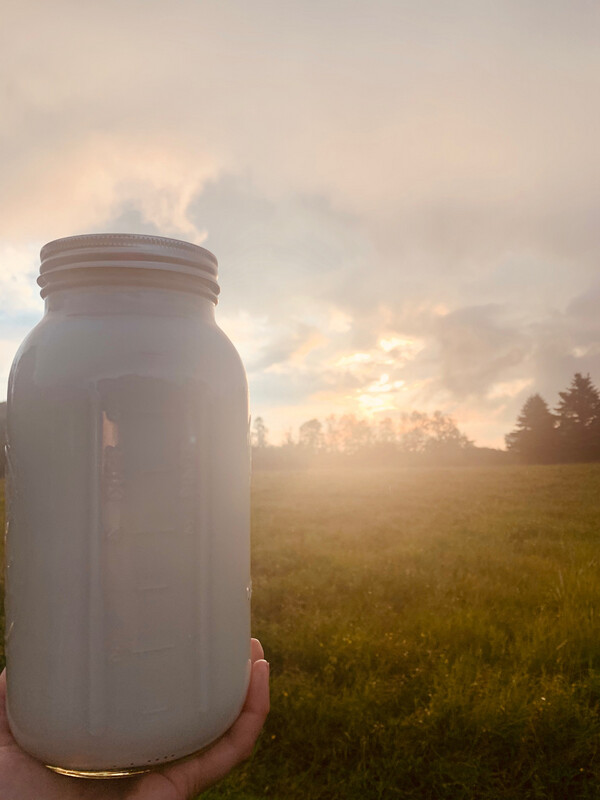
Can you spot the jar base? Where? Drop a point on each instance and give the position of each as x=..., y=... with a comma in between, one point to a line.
x=126, y=772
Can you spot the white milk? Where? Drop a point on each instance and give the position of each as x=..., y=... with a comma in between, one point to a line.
x=127, y=550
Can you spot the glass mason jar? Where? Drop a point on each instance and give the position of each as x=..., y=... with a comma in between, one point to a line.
x=127, y=547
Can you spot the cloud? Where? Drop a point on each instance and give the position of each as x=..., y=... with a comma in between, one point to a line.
x=568, y=342
x=95, y=178
x=411, y=119
x=584, y=307
x=477, y=348
x=292, y=246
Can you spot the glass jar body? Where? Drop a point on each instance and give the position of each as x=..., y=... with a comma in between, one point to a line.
x=127, y=548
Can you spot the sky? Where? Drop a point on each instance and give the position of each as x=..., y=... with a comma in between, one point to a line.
x=403, y=197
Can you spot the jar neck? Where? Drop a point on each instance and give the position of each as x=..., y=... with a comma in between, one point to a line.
x=109, y=301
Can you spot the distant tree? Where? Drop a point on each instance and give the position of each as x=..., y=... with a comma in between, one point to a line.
x=355, y=433
x=385, y=433
x=433, y=437
x=578, y=415
x=310, y=435
x=259, y=433
x=288, y=440
x=444, y=436
x=332, y=436
x=414, y=432
x=534, y=440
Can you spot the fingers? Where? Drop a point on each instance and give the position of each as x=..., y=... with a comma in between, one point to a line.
x=5, y=734
x=256, y=650
x=235, y=746
x=257, y=701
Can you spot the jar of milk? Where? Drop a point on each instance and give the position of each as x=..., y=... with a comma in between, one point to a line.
x=127, y=549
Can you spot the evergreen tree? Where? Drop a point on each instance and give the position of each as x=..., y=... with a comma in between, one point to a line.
x=578, y=414
x=534, y=441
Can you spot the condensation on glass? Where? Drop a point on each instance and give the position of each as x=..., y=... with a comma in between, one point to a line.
x=127, y=547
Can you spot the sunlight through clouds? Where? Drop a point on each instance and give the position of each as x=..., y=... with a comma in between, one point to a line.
x=381, y=395
x=379, y=386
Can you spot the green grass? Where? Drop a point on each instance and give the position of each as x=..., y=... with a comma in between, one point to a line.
x=431, y=633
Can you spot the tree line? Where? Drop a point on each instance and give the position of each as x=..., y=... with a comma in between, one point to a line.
x=569, y=433
x=413, y=438
x=415, y=433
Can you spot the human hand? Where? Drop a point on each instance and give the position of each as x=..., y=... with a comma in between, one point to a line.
x=23, y=777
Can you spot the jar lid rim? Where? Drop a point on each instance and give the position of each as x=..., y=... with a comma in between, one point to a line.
x=136, y=241
x=130, y=258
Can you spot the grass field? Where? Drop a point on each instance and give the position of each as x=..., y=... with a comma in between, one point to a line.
x=431, y=633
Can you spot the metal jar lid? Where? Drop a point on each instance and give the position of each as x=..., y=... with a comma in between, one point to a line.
x=127, y=259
